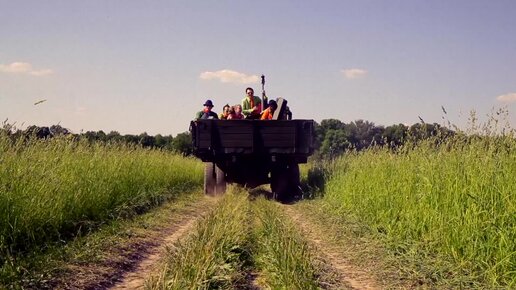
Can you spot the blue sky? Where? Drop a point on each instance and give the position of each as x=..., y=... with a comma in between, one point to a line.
x=135, y=66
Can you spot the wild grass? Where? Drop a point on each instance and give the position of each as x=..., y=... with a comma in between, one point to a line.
x=54, y=189
x=239, y=238
x=449, y=207
x=99, y=257
x=213, y=255
x=282, y=256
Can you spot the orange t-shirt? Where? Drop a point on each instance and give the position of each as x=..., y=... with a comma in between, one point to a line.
x=266, y=115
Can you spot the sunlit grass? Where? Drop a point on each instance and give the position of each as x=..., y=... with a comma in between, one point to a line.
x=54, y=189
x=455, y=203
x=238, y=238
x=213, y=255
x=282, y=256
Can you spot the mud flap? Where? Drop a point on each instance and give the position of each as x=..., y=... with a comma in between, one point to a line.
x=220, y=181
x=209, y=178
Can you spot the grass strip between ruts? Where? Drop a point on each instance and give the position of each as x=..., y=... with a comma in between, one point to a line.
x=282, y=256
x=241, y=244
x=214, y=255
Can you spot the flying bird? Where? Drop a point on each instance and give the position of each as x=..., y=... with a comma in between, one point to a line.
x=442, y=107
x=39, y=102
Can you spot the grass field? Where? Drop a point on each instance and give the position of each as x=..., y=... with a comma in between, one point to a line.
x=445, y=210
x=450, y=209
x=52, y=190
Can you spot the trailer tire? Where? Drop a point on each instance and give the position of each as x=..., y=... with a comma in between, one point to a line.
x=285, y=182
x=220, y=181
x=280, y=183
x=209, y=178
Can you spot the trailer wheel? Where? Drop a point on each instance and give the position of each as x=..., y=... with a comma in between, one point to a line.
x=279, y=183
x=220, y=185
x=285, y=182
x=209, y=178
x=278, y=186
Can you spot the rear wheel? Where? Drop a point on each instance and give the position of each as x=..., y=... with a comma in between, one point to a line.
x=285, y=182
x=209, y=178
x=279, y=183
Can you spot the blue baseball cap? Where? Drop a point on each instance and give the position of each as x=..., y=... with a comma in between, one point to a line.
x=208, y=103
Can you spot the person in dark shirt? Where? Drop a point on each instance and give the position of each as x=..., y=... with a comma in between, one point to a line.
x=206, y=113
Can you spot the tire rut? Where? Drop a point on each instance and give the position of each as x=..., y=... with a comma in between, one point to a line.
x=127, y=258
x=350, y=276
x=135, y=279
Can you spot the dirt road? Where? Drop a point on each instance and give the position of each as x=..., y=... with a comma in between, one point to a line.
x=124, y=263
x=130, y=264
x=348, y=275
x=136, y=278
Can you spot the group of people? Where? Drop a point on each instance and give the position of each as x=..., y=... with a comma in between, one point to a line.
x=250, y=108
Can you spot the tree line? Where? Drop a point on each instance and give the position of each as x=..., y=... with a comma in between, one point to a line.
x=332, y=137
x=181, y=143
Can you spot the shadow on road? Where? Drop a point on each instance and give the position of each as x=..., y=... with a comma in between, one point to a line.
x=260, y=191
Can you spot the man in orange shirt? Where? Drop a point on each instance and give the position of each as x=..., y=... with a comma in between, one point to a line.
x=269, y=112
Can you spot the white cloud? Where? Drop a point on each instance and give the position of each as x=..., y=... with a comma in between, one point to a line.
x=43, y=72
x=354, y=73
x=24, y=68
x=229, y=76
x=507, y=98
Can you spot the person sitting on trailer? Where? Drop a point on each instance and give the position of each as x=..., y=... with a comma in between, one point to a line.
x=225, y=112
x=235, y=113
x=206, y=113
x=269, y=112
x=251, y=105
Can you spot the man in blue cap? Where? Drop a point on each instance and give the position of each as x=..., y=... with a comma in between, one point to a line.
x=206, y=113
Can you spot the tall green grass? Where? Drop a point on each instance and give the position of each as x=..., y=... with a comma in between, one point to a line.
x=236, y=239
x=213, y=256
x=453, y=202
x=281, y=254
x=54, y=189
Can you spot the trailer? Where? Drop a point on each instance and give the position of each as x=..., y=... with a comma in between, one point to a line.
x=252, y=153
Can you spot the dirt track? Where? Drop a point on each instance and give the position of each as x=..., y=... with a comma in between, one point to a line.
x=348, y=275
x=136, y=279
x=127, y=265
x=142, y=256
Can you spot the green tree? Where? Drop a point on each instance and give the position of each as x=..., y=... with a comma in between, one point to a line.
x=363, y=134
x=114, y=136
x=182, y=143
x=146, y=140
x=323, y=128
x=395, y=135
x=334, y=143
